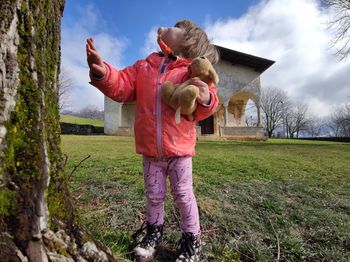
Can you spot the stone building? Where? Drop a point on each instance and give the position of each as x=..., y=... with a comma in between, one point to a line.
x=239, y=75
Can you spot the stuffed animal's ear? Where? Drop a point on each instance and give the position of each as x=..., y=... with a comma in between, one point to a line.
x=214, y=77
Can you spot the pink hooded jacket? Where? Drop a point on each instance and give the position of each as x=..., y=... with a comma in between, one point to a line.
x=156, y=133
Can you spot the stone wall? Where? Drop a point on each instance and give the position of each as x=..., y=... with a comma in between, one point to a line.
x=68, y=128
x=243, y=132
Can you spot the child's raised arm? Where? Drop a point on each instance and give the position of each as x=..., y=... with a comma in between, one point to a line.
x=97, y=68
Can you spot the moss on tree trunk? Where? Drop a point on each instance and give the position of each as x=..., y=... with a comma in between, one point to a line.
x=37, y=218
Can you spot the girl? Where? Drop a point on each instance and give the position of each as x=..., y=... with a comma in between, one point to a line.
x=167, y=148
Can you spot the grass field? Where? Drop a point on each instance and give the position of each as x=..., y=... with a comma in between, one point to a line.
x=81, y=120
x=284, y=200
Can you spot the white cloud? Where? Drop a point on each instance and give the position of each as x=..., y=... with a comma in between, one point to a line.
x=150, y=42
x=320, y=108
x=294, y=33
x=73, y=42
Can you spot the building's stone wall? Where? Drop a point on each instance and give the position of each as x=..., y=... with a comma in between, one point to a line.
x=119, y=117
x=112, y=115
x=235, y=79
x=239, y=132
x=128, y=115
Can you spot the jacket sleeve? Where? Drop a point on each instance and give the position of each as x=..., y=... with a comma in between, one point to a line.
x=204, y=111
x=117, y=85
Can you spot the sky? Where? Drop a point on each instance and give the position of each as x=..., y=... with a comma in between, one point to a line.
x=294, y=33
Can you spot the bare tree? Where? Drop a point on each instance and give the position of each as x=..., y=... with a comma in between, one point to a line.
x=341, y=26
x=65, y=85
x=91, y=112
x=251, y=121
x=345, y=119
x=340, y=121
x=251, y=115
x=316, y=127
x=274, y=104
x=296, y=120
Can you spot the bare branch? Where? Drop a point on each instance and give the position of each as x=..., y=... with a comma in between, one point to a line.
x=340, y=121
x=340, y=25
x=65, y=85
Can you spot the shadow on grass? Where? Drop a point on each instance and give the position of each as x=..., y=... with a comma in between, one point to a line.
x=165, y=254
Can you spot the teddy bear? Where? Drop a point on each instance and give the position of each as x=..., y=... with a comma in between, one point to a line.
x=182, y=97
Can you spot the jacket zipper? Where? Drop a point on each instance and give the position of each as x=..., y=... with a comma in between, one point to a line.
x=159, y=110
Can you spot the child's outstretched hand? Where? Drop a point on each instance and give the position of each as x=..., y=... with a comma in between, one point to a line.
x=95, y=62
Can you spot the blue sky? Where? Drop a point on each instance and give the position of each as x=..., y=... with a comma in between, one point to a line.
x=294, y=33
x=132, y=20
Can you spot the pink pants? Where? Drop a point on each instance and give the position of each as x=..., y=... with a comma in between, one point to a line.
x=179, y=170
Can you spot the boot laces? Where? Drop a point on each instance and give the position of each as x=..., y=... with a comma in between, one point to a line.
x=153, y=234
x=140, y=230
x=187, y=244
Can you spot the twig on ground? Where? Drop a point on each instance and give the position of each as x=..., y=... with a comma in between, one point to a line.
x=211, y=230
x=76, y=166
x=68, y=177
x=65, y=161
x=140, y=216
x=277, y=239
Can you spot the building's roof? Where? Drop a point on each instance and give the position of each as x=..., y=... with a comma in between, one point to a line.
x=258, y=63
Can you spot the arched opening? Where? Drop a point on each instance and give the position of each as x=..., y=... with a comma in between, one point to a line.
x=251, y=114
x=236, y=109
x=242, y=111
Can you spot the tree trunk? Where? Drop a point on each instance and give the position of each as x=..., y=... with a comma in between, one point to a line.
x=269, y=133
x=37, y=218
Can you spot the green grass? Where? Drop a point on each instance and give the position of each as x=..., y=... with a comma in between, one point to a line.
x=81, y=120
x=258, y=201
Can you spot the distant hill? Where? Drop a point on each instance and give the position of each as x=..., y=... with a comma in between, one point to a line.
x=81, y=120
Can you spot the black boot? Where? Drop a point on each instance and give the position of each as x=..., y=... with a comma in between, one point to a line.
x=146, y=248
x=190, y=247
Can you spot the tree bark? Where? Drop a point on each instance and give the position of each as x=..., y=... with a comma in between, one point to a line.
x=37, y=218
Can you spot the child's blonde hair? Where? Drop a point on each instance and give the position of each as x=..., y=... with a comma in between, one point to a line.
x=196, y=42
